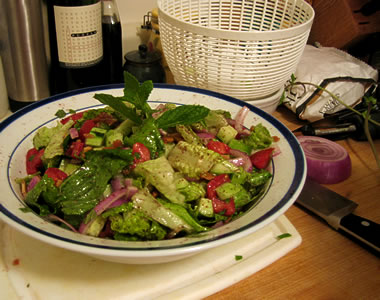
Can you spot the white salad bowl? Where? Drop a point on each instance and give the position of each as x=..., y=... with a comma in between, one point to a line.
x=16, y=133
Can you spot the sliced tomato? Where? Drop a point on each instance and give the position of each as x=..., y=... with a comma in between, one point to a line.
x=214, y=183
x=56, y=174
x=33, y=160
x=217, y=204
x=74, y=117
x=75, y=149
x=115, y=144
x=261, y=159
x=218, y=147
x=143, y=153
x=85, y=129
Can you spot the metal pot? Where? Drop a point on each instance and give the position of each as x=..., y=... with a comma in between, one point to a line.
x=145, y=65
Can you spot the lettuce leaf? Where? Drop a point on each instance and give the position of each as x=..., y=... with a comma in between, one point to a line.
x=149, y=135
x=159, y=173
x=145, y=202
x=92, y=178
x=44, y=135
x=260, y=137
x=181, y=211
x=136, y=223
x=55, y=146
x=46, y=189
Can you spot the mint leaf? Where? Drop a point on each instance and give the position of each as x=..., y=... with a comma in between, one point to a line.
x=137, y=94
x=117, y=104
x=131, y=86
x=185, y=115
x=143, y=95
x=60, y=113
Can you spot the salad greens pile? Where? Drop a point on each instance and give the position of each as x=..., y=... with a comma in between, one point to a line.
x=128, y=171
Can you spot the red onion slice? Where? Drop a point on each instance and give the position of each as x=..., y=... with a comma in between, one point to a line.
x=84, y=226
x=327, y=161
x=240, y=117
x=52, y=217
x=246, y=161
x=33, y=182
x=238, y=123
x=128, y=182
x=104, y=204
x=118, y=202
x=73, y=133
x=205, y=135
x=117, y=183
x=131, y=190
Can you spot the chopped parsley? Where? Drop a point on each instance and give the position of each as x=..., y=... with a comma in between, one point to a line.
x=284, y=235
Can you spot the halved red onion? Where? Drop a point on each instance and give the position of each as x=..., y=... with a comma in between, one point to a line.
x=327, y=161
x=246, y=162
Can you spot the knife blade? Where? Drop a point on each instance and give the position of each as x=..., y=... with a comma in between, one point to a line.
x=337, y=211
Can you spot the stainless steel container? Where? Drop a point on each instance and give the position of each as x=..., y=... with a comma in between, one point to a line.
x=23, y=49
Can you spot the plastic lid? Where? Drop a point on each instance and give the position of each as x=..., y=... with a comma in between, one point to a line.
x=143, y=56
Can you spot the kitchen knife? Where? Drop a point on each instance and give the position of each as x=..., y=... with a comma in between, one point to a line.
x=337, y=211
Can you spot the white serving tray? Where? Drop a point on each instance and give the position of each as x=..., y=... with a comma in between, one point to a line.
x=30, y=269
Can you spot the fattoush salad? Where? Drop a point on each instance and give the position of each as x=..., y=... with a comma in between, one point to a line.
x=127, y=171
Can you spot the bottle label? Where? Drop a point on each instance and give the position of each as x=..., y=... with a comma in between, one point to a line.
x=79, y=35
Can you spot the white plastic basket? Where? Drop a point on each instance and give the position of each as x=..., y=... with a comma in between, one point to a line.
x=247, y=49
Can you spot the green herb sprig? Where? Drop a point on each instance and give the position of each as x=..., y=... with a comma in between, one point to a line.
x=134, y=105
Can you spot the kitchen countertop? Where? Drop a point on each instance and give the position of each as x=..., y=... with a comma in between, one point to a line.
x=327, y=265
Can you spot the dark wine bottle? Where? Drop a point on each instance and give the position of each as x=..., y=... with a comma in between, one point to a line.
x=76, y=47
x=112, y=43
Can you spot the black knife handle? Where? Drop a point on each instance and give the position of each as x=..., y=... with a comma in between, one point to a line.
x=363, y=230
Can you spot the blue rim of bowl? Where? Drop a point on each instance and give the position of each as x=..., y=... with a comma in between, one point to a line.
x=292, y=190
